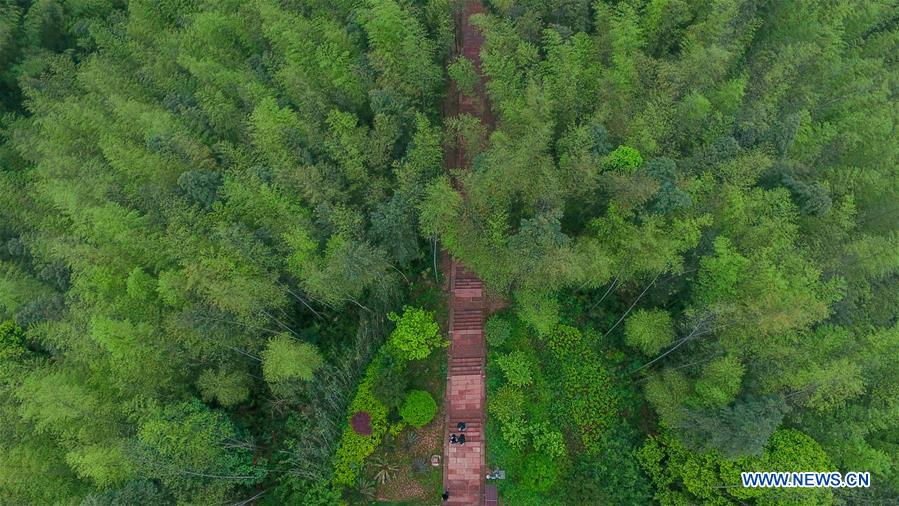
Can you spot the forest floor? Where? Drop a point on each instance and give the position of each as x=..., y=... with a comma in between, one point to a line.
x=411, y=485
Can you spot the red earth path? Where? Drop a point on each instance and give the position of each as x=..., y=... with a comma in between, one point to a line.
x=464, y=468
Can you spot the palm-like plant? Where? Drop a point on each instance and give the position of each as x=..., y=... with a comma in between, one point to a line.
x=420, y=465
x=411, y=440
x=366, y=488
x=384, y=470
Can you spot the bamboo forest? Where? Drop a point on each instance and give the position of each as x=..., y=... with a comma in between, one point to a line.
x=423, y=252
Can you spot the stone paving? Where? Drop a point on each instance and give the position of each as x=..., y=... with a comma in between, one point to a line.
x=464, y=467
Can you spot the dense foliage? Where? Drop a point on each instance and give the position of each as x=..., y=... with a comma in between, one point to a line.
x=215, y=217
x=206, y=209
x=712, y=188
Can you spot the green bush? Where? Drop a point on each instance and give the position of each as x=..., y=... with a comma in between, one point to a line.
x=540, y=473
x=416, y=334
x=548, y=441
x=517, y=368
x=710, y=478
x=497, y=330
x=564, y=341
x=515, y=432
x=506, y=404
x=611, y=477
x=390, y=384
x=355, y=448
x=538, y=309
x=418, y=409
x=624, y=159
x=11, y=340
x=586, y=388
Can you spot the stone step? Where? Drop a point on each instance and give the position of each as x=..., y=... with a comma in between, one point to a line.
x=476, y=333
x=476, y=371
x=469, y=433
x=467, y=367
x=466, y=500
x=470, y=439
x=462, y=415
x=467, y=351
x=468, y=292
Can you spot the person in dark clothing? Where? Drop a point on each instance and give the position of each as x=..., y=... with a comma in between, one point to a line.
x=453, y=439
x=461, y=439
x=461, y=426
x=445, y=495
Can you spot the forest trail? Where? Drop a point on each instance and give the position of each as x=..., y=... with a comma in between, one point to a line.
x=464, y=465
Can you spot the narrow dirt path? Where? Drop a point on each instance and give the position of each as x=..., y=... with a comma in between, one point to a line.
x=464, y=465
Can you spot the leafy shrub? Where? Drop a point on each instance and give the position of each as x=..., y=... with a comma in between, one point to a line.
x=390, y=384
x=355, y=448
x=416, y=334
x=12, y=340
x=540, y=473
x=547, y=440
x=506, y=404
x=612, y=476
x=624, y=159
x=395, y=428
x=586, y=388
x=564, y=341
x=418, y=409
x=538, y=309
x=589, y=400
x=708, y=477
x=649, y=330
x=515, y=432
x=497, y=330
x=517, y=368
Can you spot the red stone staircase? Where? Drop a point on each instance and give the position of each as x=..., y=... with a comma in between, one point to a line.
x=464, y=470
